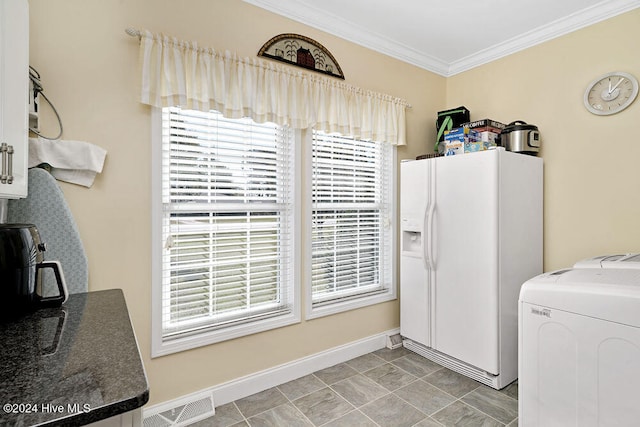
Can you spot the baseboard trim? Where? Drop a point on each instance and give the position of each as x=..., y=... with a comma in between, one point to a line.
x=263, y=380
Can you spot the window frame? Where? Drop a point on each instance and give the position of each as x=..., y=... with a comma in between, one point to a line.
x=159, y=346
x=355, y=302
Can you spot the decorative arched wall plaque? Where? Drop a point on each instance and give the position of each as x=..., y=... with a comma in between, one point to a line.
x=302, y=51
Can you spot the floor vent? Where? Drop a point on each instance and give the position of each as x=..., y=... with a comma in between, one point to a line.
x=180, y=412
x=394, y=341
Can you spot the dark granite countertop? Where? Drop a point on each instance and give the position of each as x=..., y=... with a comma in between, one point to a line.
x=71, y=365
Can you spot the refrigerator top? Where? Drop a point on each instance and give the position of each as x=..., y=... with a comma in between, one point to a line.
x=495, y=151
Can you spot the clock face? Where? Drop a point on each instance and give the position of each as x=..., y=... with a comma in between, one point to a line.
x=611, y=93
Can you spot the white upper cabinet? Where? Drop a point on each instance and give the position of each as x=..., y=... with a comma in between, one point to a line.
x=14, y=86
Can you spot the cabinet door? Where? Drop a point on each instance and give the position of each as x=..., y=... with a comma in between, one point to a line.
x=14, y=86
x=128, y=419
x=465, y=292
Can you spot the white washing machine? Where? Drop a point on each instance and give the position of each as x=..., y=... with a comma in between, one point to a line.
x=610, y=261
x=579, y=348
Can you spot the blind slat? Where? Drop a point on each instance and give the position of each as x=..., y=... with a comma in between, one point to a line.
x=351, y=253
x=227, y=206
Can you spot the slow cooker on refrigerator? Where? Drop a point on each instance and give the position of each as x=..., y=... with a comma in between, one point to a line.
x=521, y=137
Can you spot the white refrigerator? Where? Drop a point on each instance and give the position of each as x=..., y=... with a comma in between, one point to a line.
x=471, y=235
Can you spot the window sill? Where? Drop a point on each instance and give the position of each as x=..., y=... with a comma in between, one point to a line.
x=340, y=307
x=160, y=348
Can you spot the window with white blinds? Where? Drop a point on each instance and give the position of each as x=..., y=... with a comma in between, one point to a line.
x=227, y=223
x=351, y=220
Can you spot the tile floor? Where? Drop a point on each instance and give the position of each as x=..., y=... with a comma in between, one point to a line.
x=385, y=388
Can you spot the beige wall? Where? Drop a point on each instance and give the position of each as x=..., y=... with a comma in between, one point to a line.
x=89, y=69
x=592, y=163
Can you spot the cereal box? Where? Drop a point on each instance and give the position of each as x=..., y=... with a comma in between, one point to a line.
x=462, y=140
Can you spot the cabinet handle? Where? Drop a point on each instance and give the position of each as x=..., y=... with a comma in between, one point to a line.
x=10, y=165
x=3, y=174
x=6, y=175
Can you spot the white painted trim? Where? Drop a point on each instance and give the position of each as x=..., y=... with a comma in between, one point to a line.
x=332, y=24
x=391, y=292
x=560, y=27
x=158, y=346
x=254, y=383
x=339, y=307
x=336, y=25
x=156, y=231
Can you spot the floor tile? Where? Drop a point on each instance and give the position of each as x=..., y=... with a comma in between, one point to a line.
x=260, y=402
x=428, y=422
x=391, y=411
x=335, y=373
x=225, y=416
x=452, y=382
x=390, y=377
x=359, y=390
x=366, y=362
x=300, y=387
x=323, y=406
x=425, y=397
x=384, y=388
x=460, y=415
x=493, y=403
x=511, y=390
x=352, y=419
x=416, y=365
x=389, y=355
x=283, y=415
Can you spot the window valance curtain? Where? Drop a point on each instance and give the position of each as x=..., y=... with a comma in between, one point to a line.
x=180, y=73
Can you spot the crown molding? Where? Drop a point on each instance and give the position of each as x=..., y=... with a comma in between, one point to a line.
x=339, y=27
x=592, y=15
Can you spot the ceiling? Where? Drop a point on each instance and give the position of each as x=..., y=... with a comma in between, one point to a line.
x=447, y=37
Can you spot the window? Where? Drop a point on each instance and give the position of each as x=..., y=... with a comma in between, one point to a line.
x=226, y=218
x=351, y=255
x=225, y=227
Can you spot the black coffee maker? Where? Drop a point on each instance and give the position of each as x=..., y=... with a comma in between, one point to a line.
x=21, y=262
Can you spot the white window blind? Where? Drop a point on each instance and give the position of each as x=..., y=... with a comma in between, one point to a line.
x=227, y=224
x=351, y=219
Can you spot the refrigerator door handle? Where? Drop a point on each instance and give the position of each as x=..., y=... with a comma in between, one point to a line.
x=428, y=225
x=425, y=249
x=429, y=238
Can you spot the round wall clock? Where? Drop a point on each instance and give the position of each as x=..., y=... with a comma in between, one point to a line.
x=611, y=93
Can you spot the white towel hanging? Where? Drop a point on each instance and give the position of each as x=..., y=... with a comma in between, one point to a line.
x=76, y=162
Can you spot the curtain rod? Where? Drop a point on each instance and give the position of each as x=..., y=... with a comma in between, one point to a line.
x=133, y=32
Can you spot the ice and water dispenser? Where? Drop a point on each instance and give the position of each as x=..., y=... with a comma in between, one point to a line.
x=411, y=237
